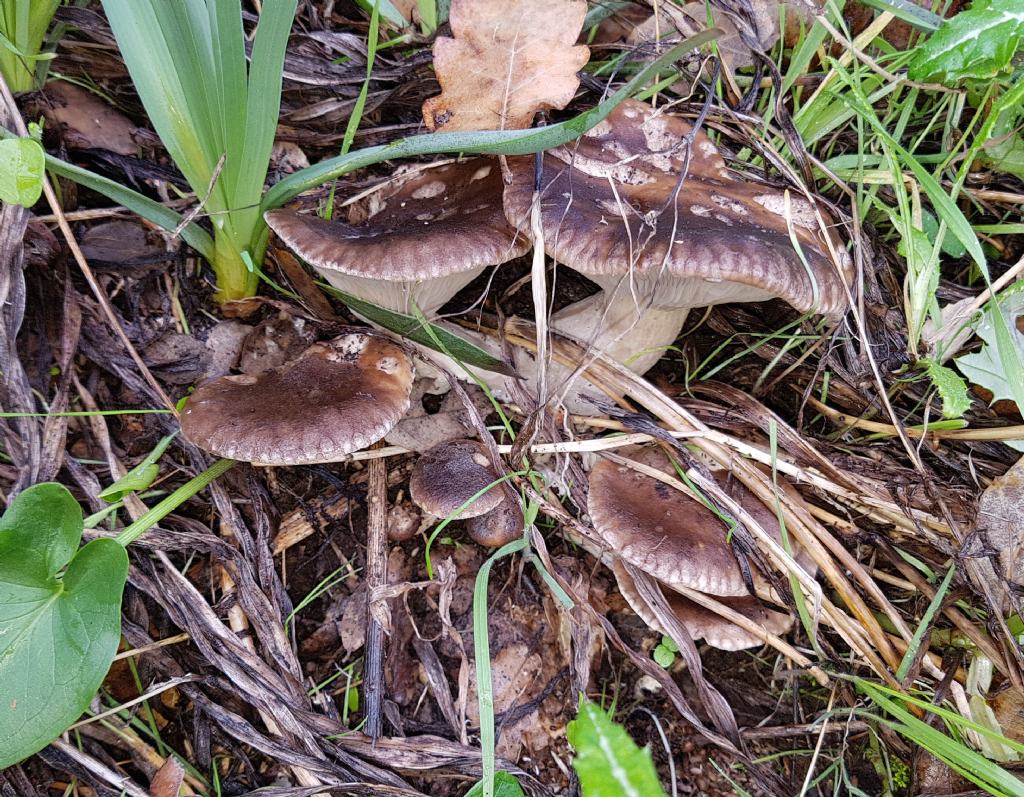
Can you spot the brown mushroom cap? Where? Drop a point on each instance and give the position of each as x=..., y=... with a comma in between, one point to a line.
x=701, y=622
x=336, y=398
x=664, y=532
x=451, y=473
x=612, y=203
x=431, y=224
x=501, y=525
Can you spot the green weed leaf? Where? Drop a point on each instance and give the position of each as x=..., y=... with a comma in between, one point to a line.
x=952, y=389
x=985, y=367
x=22, y=163
x=505, y=785
x=608, y=762
x=60, y=618
x=140, y=477
x=976, y=43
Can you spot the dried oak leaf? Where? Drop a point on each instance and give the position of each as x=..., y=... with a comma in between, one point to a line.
x=507, y=61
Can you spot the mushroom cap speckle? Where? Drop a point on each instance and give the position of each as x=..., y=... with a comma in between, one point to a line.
x=632, y=196
x=430, y=224
x=336, y=398
x=666, y=533
x=451, y=473
x=702, y=623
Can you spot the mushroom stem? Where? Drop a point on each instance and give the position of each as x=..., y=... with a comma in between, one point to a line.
x=623, y=326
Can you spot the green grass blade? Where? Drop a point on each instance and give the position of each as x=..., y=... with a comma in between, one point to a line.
x=933, y=607
x=412, y=328
x=510, y=142
x=969, y=763
x=149, y=209
x=264, y=95
x=482, y=660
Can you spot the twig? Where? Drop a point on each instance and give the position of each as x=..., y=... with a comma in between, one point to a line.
x=120, y=783
x=376, y=578
x=153, y=692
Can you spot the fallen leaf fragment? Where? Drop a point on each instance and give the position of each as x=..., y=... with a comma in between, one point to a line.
x=167, y=780
x=1000, y=531
x=507, y=61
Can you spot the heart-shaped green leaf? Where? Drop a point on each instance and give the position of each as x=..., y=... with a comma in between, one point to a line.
x=60, y=618
x=22, y=164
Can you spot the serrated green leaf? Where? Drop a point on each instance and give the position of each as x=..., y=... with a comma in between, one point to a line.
x=952, y=389
x=409, y=327
x=505, y=785
x=608, y=762
x=139, y=477
x=22, y=164
x=60, y=618
x=977, y=43
x=985, y=367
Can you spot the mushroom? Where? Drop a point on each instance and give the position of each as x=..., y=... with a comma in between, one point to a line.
x=702, y=623
x=449, y=475
x=335, y=398
x=680, y=542
x=501, y=525
x=425, y=236
x=645, y=207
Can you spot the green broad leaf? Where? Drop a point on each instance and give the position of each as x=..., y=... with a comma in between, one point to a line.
x=956, y=399
x=22, y=166
x=950, y=245
x=985, y=367
x=141, y=476
x=977, y=43
x=608, y=762
x=409, y=327
x=505, y=785
x=1004, y=149
x=60, y=618
x=663, y=656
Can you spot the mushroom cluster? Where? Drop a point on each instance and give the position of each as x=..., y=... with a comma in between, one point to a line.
x=681, y=542
x=643, y=204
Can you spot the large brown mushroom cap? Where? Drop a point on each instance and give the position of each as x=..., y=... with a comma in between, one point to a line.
x=701, y=622
x=667, y=534
x=431, y=224
x=337, y=397
x=451, y=473
x=614, y=202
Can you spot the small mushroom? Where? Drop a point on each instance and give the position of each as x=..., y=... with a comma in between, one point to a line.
x=501, y=525
x=667, y=534
x=425, y=236
x=662, y=226
x=336, y=398
x=702, y=623
x=450, y=474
